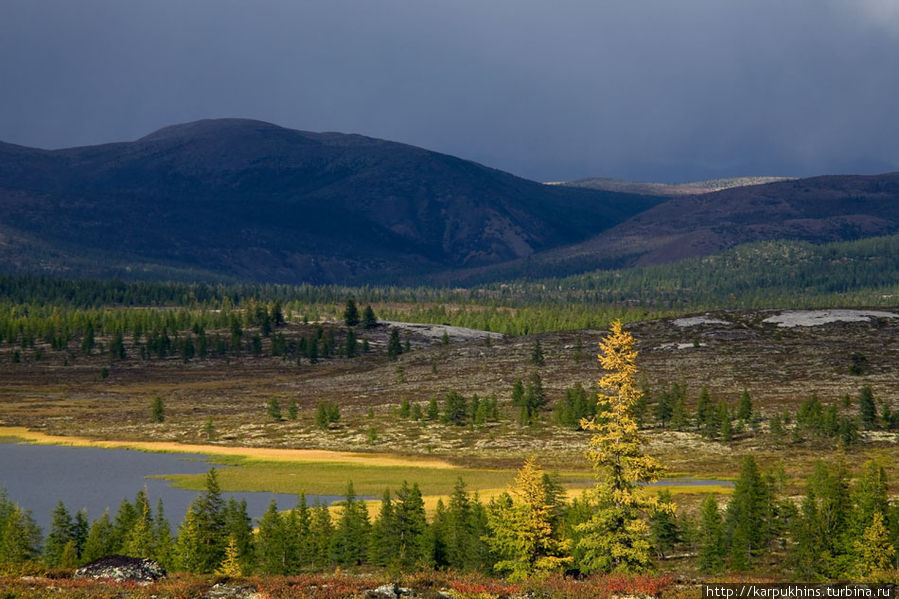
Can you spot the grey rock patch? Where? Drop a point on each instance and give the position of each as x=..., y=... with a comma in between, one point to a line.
x=694, y=321
x=121, y=568
x=813, y=318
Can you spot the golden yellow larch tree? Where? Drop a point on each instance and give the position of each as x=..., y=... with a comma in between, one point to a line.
x=616, y=537
x=522, y=529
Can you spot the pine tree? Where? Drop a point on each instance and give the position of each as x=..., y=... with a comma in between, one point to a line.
x=293, y=411
x=522, y=534
x=615, y=537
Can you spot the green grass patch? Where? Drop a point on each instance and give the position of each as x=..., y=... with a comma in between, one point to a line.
x=330, y=478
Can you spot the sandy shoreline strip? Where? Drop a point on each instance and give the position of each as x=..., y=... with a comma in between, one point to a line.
x=267, y=454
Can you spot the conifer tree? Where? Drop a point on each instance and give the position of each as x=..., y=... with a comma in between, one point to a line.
x=383, y=544
x=60, y=534
x=663, y=526
x=239, y=527
x=321, y=533
x=349, y=543
x=274, y=409
x=271, y=543
x=744, y=408
x=874, y=548
x=99, y=539
x=394, y=346
x=704, y=409
x=293, y=411
x=745, y=520
x=433, y=412
x=521, y=530
x=351, y=313
x=158, y=409
x=616, y=536
x=711, y=544
x=867, y=409
x=230, y=566
x=410, y=527
x=369, y=320
x=163, y=542
x=140, y=539
x=537, y=354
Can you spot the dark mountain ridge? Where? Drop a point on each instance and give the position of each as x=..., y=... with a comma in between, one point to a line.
x=817, y=210
x=247, y=199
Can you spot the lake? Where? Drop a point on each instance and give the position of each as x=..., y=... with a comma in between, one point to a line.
x=37, y=476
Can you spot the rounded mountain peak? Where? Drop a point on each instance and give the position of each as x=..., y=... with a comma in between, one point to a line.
x=210, y=128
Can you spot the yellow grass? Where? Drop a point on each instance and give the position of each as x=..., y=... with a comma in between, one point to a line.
x=267, y=454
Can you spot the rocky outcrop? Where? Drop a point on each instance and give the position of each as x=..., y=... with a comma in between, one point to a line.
x=121, y=568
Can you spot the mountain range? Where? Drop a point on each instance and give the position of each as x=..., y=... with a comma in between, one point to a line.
x=235, y=199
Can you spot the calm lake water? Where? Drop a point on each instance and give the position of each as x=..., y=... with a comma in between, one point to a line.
x=38, y=476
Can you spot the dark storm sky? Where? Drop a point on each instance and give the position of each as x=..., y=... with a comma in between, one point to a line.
x=642, y=89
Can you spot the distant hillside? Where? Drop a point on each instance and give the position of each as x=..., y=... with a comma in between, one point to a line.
x=241, y=199
x=816, y=210
x=670, y=189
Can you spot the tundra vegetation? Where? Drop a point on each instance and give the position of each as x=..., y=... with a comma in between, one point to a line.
x=802, y=419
